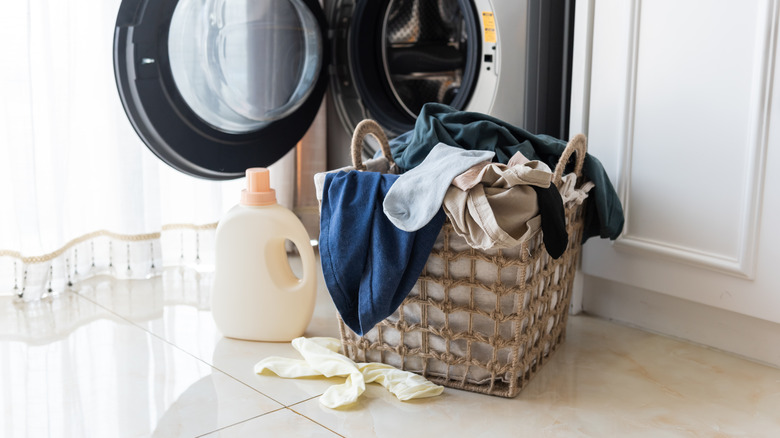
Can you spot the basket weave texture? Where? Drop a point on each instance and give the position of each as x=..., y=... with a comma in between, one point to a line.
x=481, y=320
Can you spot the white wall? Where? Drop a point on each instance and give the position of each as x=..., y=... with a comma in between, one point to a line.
x=678, y=100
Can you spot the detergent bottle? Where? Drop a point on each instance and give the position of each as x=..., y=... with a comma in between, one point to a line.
x=255, y=295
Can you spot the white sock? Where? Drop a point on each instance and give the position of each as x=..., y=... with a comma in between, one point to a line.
x=416, y=196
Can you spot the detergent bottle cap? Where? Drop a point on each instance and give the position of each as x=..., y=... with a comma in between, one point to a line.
x=258, y=189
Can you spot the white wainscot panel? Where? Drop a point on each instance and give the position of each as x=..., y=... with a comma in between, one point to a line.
x=679, y=113
x=696, y=123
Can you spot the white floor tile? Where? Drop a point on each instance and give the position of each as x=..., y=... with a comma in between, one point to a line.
x=607, y=380
x=111, y=378
x=135, y=359
x=282, y=423
x=175, y=307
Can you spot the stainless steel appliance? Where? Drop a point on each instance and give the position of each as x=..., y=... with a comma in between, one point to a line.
x=216, y=86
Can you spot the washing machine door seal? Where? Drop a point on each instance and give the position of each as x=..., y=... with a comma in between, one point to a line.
x=180, y=122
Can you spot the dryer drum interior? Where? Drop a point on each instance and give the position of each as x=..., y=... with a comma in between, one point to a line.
x=410, y=52
x=424, y=52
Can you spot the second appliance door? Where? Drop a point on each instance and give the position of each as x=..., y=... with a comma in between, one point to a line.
x=216, y=86
x=392, y=56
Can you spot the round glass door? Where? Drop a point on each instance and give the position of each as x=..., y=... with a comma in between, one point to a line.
x=214, y=87
x=240, y=64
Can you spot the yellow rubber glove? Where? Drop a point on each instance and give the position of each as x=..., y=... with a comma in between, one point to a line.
x=321, y=358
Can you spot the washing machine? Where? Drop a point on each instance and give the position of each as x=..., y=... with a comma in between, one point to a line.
x=213, y=87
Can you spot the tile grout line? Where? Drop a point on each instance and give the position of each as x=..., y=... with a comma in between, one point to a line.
x=268, y=413
x=282, y=406
x=155, y=335
x=137, y=325
x=242, y=421
x=313, y=421
x=303, y=401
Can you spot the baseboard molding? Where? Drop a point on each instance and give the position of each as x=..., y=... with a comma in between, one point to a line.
x=752, y=338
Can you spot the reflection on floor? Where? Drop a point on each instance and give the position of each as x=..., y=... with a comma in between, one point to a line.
x=143, y=358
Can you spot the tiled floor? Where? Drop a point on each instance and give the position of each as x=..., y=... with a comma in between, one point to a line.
x=143, y=358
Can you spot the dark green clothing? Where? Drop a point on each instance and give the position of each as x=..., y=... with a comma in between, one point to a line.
x=441, y=123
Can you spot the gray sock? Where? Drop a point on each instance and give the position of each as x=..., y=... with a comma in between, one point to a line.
x=417, y=195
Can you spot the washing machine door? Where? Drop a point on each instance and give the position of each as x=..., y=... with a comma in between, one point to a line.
x=216, y=86
x=390, y=57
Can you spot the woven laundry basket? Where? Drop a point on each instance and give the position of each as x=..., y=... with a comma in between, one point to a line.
x=482, y=321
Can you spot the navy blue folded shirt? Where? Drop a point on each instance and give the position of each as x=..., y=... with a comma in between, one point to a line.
x=369, y=264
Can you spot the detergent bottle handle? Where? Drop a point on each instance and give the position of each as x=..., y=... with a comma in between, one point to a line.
x=307, y=259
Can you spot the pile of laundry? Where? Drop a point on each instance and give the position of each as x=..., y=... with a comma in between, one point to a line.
x=321, y=358
x=492, y=180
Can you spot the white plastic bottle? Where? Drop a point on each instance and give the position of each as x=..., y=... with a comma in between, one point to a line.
x=255, y=295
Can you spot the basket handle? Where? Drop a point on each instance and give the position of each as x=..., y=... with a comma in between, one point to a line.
x=578, y=144
x=363, y=129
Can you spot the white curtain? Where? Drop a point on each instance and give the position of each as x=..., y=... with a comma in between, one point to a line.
x=80, y=194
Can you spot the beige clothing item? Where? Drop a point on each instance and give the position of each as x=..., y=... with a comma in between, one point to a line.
x=496, y=207
x=517, y=159
x=321, y=358
x=570, y=193
x=470, y=178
